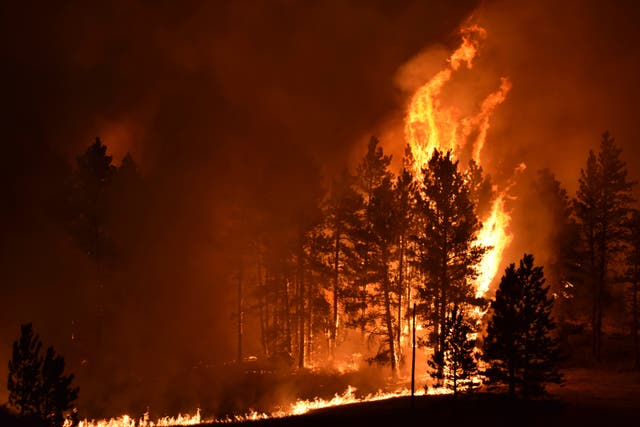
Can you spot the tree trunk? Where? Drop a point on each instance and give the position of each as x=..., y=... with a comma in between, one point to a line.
x=388, y=318
x=240, y=315
x=336, y=278
x=400, y=292
x=301, y=301
x=287, y=317
x=636, y=345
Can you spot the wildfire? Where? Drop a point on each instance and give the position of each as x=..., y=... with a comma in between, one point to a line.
x=431, y=125
x=299, y=407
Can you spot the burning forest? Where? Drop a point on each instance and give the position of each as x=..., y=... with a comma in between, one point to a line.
x=284, y=212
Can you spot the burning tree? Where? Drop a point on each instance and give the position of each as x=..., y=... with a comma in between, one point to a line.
x=518, y=346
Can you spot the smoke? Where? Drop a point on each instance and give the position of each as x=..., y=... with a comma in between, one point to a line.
x=238, y=103
x=221, y=104
x=573, y=68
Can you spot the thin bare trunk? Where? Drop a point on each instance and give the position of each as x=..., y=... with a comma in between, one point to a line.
x=240, y=315
x=301, y=301
x=336, y=278
x=389, y=318
x=636, y=345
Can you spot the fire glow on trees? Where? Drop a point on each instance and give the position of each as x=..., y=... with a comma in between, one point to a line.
x=431, y=125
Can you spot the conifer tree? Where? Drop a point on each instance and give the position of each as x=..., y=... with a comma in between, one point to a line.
x=519, y=348
x=602, y=208
x=25, y=372
x=445, y=244
x=633, y=276
x=405, y=201
x=37, y=386
x=459, y=355
x=342, y=217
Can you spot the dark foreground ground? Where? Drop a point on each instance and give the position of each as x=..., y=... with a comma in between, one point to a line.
x=590, y=397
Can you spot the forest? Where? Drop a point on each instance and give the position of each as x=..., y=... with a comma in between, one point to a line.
x=241, y=211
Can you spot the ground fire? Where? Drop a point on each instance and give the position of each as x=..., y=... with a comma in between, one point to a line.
x=430, y=124
x=320, y=213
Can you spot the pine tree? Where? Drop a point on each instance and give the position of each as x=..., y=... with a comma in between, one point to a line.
x=405, y=201
x=459, y=355
x=518, y=347
x=372, y=171
x=57, y=394
x=384, y=228
x=342, y=216
x=25, y=372
x=602, y=207
x=633, y=276
x=445, y=244
x=37, y=386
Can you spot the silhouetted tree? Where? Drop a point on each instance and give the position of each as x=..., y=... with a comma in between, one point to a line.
x=602, y=207
x=38, y=387
x=405, y=201
x=518, y=347
x=342, y=215
x=92, y=178
x=25, y=373
x=89, y=198
x=447, y=252
x=633, y=276
x=459, y=354
x=370, y=173
x=57, y=393
x=384, y=228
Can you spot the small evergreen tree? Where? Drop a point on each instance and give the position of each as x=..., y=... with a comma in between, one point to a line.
x=518, y=347
x=25, y=372
x=38, y=387
x=57, y=395
x=457, y=363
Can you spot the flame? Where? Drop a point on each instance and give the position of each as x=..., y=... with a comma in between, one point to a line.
x=299, y=407
x=493, y=235
x=431, y=125
x=127, y=421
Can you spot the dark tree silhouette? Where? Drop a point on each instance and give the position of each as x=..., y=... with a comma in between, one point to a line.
x=405, y=202
x=602, y=207
x=25, y=372
x=518, y=347
x=38, y=387
x=447, y=253
x=633, y=276
x=57, y=393
x=92, y=179
x=459, y=354
x=341, y=213
x=384, y=229
x=370, y=174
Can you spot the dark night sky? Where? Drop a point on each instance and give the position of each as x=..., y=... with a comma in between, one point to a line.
x=216, y=99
